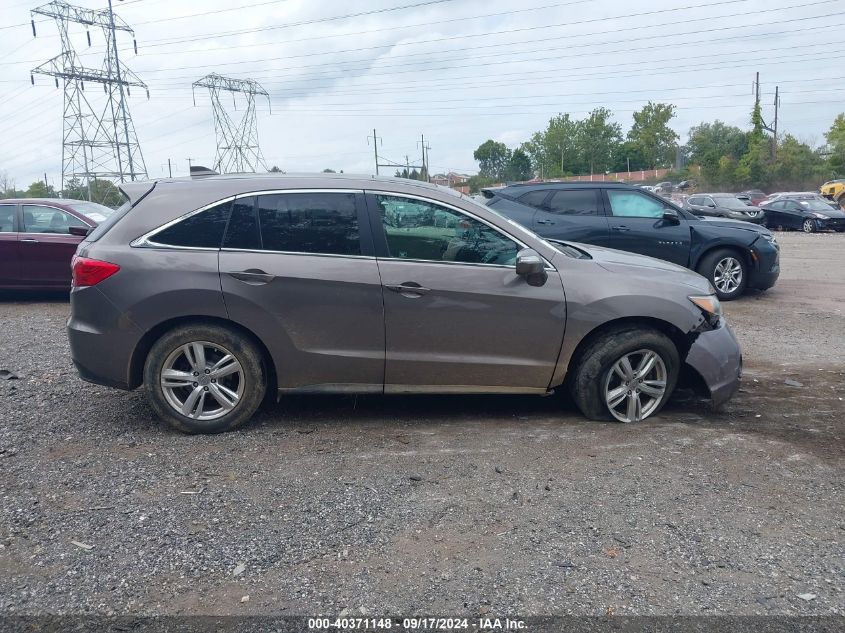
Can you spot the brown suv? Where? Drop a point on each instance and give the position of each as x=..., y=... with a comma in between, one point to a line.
x=212, y=291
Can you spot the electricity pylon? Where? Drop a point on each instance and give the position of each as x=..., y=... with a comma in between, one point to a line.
x=237, y=142
x=97, y=142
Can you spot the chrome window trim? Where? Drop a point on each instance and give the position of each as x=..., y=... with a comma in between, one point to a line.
x=145, y=241
x=305, y=253
x=452, y=207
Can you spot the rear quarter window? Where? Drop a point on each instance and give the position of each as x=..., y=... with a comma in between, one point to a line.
x=201, y=230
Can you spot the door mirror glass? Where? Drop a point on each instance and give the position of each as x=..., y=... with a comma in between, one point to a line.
x=670, y=215
x=530, y=265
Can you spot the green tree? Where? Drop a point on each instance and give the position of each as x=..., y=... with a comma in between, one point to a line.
x=715, y=148
x=754, y=168
x=75, y=190
x=493, y=160
x=39, y=190
x=652, y=136
x=797, y=166
x=476, y=183
x=835, y=138
x=275, y=170
x=519, y=167
x=599, y=140
x=329, y=171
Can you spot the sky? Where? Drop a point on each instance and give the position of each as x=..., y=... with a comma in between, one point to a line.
x=457, y=71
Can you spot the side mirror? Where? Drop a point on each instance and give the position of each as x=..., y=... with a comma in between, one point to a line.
x=671, y=216
x=711, y=205
x=530, y=265
x=79, y=231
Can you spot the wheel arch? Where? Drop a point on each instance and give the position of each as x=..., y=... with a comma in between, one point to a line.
x=142, y=349
x=681, y=340
x=742, y=251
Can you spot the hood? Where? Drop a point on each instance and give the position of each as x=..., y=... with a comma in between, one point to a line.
x=735, y=224
x=641, y=266
x=831, y=213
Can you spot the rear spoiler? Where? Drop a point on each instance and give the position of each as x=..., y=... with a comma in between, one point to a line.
x=136, y=190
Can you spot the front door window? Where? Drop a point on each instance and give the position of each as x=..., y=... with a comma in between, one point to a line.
x=421, y=230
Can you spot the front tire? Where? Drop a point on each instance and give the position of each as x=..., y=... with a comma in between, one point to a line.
x=809, y=226
x=727, y=271
x=204, y=379
x=626, y=375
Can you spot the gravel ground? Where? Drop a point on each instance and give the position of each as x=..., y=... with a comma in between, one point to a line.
x=437, y=505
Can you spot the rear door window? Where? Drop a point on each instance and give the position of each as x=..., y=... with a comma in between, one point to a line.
x=534, y=198
x=200, y=230
x=319, y=223
x=575, y=202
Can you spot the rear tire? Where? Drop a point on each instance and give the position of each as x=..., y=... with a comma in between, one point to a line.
x=598, y=379
x=727, y=271
x=204, y=378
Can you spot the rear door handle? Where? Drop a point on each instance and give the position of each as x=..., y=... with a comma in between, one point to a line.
x=621, y=228
x=545, y=222
x=408, y=289
x=252, y=276
x=29, y=240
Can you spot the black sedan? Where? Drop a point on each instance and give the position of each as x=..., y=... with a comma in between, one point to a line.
x=724, y=205
x=809, y=215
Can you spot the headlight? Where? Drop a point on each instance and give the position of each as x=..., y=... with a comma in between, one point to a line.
x=770, y=238
x=821, y=216
x=710, y=306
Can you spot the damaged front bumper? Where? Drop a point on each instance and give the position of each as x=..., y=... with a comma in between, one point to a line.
x=716, y=356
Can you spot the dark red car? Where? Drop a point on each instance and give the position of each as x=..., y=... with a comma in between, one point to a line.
x=755, y=196
x=36, y=240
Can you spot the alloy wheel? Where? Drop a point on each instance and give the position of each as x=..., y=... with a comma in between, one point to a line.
x=809, y=226
x=202, y=380
x=635, y=385
x=727, y=276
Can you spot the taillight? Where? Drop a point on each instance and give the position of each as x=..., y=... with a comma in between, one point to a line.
x=90, y=272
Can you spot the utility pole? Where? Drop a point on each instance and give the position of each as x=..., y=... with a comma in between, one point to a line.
x=376, y=140
x=169, y=169
x=775, y=124
x=189, y=163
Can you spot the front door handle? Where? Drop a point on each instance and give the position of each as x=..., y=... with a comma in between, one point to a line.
x=545, y=221
x=29, y=240
x=409, y=289
x=252, y=276
x=621, y=228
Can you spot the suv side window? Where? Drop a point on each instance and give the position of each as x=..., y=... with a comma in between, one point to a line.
x=695, y=201
x=632, y=204
x=320, y=223
x=38, y=219
x=416, y=229
x=534, y=198
x=7, y=218
x=575, y=202
x=201, y=230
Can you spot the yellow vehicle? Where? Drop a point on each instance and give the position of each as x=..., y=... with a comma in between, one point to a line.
x=834, y=190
